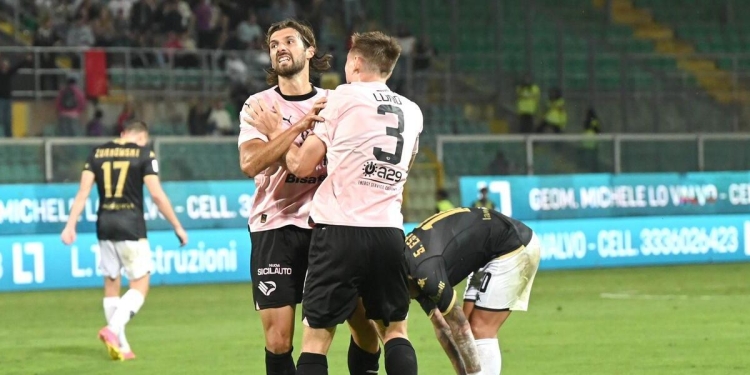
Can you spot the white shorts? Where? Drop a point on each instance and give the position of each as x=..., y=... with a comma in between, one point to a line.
x=505, y=282
x=132, y=256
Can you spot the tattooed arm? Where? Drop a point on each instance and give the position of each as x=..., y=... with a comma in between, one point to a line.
x=463, y=339
x=443, y=334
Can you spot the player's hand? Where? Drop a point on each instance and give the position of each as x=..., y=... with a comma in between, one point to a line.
x=182, y=236
x=68, y=235
x=308, y=122
x=259, y=115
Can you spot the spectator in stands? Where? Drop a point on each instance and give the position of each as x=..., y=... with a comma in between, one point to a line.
x=126, y=115
x=117, y=6
x=7, y=72
x=187, y=15
x=249, y=32
x=171, y=19
x=424, y=52
x=589, y=153
x=527, y=99
x=198, y=117
x=95, y=127
x=70, y=103
x=500, y=165
x=236, y=69
x=142, y=17
x=282, y=9
x=443, y=203
x=80, y=34
x=407, y=41
x=104, y=29
x=203, y=15
x=85, y=9
x=122, y=33
x=483, y=201
x=353, y=13
x=556, y=117
x=46, y=37
x=219, y=120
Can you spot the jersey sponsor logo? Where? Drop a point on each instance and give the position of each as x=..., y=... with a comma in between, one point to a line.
x=266, y=287
x=288, y=120
x=274, y=269
x=380, y=174
x=292, y=179
x=422, y=282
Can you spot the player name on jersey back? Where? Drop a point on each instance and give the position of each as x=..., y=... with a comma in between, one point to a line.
x=281, y=198
x=371, y=135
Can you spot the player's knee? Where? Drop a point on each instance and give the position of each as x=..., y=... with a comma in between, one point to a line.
x=278, y=341
x=482, y=331
x=485, y=324
x=395, y=330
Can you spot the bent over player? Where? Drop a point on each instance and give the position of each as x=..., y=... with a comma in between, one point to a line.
x=279, y=229
x=120, y=168
x=499, y=255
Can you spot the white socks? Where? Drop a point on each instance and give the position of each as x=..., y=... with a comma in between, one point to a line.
x=489, y=355
x=110, y=306
x=128, y=306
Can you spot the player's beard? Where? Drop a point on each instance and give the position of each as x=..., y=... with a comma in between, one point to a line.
x=298, y=63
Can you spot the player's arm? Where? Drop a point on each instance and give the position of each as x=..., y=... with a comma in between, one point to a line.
x=444, y=336
x=463, y=338
x=256, y=155
x=302, y=160
x=439, y=301
x=87, y=182
x=165, y=207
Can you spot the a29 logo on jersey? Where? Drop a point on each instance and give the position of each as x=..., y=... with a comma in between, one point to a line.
x=383, y=172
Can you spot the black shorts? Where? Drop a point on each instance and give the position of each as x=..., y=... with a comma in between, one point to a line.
x=278, y=263
x=351, y=262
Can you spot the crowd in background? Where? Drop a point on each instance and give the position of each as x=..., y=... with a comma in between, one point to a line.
x=169, y=34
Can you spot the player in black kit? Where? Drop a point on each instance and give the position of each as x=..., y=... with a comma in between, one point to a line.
x=499, y=255
x=120, y=168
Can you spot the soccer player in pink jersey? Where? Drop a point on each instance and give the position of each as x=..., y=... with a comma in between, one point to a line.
x=278, y=224
x=370, y=136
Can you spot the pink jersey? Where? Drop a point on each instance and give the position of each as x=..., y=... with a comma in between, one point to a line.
x=371, y=135
x=282, y=198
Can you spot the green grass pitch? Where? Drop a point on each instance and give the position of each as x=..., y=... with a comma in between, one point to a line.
x=660, y=320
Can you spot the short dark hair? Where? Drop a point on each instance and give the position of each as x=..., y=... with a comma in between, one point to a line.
x=442, y=194
x=318, y=63
x=136, y=126
x=378, y=49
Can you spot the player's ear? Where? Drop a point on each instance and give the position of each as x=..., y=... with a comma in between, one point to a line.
x=357, y=66
x=310, y=52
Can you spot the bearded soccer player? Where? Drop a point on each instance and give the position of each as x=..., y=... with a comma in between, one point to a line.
x=120, y=168
x=369, y=135
x=279, y=228
x=499, y=255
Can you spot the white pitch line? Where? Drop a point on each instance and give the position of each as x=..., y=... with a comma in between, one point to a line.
x=666, y=297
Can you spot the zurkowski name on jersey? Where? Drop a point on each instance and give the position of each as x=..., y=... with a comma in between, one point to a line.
x=119, y=169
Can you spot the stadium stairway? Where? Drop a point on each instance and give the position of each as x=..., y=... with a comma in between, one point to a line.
x=713, y=79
